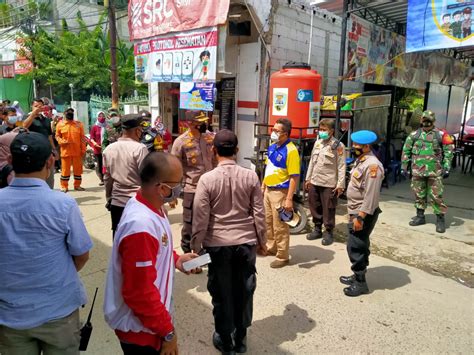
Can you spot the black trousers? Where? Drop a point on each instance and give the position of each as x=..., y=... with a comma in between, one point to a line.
x=187, y=231
x=115, y=213
x=133, y=349
x=322, y=205
x=231, y=283
x=98, y=167
x=358, y=244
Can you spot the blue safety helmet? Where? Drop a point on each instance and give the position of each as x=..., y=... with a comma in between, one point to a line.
x=364, y=137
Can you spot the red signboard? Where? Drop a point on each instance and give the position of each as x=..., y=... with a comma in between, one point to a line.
x=149, y=18
x=23, y=66
x=8, y=71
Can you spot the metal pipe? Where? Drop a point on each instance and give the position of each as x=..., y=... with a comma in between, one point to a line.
x=310, y=37
x=342, y=55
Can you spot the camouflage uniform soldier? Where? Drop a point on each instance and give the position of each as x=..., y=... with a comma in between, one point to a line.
x=430, y=152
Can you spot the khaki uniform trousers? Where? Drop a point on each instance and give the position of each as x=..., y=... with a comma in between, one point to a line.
x=278, y=232
x=57, y=337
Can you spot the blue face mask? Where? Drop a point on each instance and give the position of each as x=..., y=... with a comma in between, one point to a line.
x=12, y=119
x=175, y=192
x=323, y=135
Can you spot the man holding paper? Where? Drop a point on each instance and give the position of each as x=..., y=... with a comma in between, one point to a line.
x=229, y=222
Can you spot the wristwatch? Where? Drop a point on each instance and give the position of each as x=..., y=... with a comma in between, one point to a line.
x=360, y=219
x=169, y=337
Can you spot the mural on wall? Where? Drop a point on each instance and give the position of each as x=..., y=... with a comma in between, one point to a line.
x=378, y=56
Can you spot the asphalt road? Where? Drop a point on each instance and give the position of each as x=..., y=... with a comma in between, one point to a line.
x=301, y=309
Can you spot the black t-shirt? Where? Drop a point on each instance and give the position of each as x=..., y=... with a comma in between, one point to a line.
x=42, y=125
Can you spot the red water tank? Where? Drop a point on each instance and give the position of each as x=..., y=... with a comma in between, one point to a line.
x=295, y=93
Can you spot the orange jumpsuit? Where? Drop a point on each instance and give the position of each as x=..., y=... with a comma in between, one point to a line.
x=70, y=136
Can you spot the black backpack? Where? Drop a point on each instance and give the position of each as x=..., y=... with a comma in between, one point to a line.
x=4, y=173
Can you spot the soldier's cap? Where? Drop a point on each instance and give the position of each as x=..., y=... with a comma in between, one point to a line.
x=197, y=116
x=145, y=113
x=69, y=109
x=225, y=139
x=131, y=120
x=364, y=137
x=30, y=151
x=292, y=218
x=428, y=116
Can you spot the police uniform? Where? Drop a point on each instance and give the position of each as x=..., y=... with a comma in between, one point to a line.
x=195, y=153
x=363, y=194
x=326, y=171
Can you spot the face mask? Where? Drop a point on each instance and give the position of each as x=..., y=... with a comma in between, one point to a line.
x=202, y=128
x=12, y=119
x=275, y=137
x=101, y=119
x=357, y=151
x=426, y=124
x=69, y=116
x=323, y=135
x=175, y=192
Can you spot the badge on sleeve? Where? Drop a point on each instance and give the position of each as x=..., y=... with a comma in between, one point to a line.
x=373, y=170
x=340, y=150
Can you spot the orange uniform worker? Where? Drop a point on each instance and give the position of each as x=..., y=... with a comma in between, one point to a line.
x=70, y=136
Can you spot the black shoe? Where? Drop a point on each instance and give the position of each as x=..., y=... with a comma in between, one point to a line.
x=328, y=238
x=316, y=234
x=419, y=219
x=240, y=340
x=347, y=280
x=356, y=289
x=440, y=225
x=225, y=349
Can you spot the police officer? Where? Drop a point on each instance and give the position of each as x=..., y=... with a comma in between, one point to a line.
x=430, y=152
x=194, y=149
x=363, y=194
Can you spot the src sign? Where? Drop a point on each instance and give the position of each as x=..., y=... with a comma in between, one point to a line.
x=149, y=18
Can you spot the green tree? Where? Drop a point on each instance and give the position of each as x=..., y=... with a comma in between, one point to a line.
x=80, y=58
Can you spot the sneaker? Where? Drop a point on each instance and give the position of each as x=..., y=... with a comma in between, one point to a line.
x=64, y=189
x=79, y=188
x=101, y=183
x=276, y=264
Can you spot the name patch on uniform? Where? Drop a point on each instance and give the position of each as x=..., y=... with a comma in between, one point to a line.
x=279, y=157
x=373, y=170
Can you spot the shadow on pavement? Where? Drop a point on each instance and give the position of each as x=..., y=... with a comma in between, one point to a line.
x=278, y=329
x=308, y=256
x=82, y=200
x=387, y=278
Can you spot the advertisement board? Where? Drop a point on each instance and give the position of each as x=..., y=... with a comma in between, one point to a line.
x=438, y=24
x=197, y=96
x=178, y=57
x=149, y=18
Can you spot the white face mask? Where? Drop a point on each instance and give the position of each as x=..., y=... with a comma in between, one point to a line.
x=275, y=137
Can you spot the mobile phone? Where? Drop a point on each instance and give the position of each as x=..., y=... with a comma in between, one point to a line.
x=197, y=262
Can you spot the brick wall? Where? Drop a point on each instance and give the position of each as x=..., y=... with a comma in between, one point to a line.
x=290, y=42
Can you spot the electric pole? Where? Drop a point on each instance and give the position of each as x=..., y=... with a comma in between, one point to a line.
x=113, y=52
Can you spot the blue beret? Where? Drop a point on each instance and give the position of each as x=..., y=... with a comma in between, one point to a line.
x=364, y=137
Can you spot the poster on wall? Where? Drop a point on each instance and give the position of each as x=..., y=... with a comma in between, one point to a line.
x=179, y=57
x=438, y=24
x=153, y=18
x=280, y=102
x=376, y=55
x=8, y=71
x=197, y=96
x=22, y=66
x=227, y=97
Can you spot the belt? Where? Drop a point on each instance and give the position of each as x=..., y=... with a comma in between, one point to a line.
x=276, y=188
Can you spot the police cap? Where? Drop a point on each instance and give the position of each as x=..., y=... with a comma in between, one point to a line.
x=364, y=137
x=197, y=116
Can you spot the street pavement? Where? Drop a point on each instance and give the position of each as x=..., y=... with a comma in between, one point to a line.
x=300, y=309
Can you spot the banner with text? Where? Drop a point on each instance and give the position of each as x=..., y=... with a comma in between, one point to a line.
x=438, y=24
x=149, y=18
x=183, y=56
x=197, y=96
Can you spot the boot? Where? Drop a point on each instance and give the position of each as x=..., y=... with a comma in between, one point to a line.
x=419, y=219
x=358, y=287
x=226, y=348
x=347, y=280
x=440, y=225
x=240, y=340
x=315, y=234
x=328, y=238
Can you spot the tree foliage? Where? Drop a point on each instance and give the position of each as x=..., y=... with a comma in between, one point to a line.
x=80, y=58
